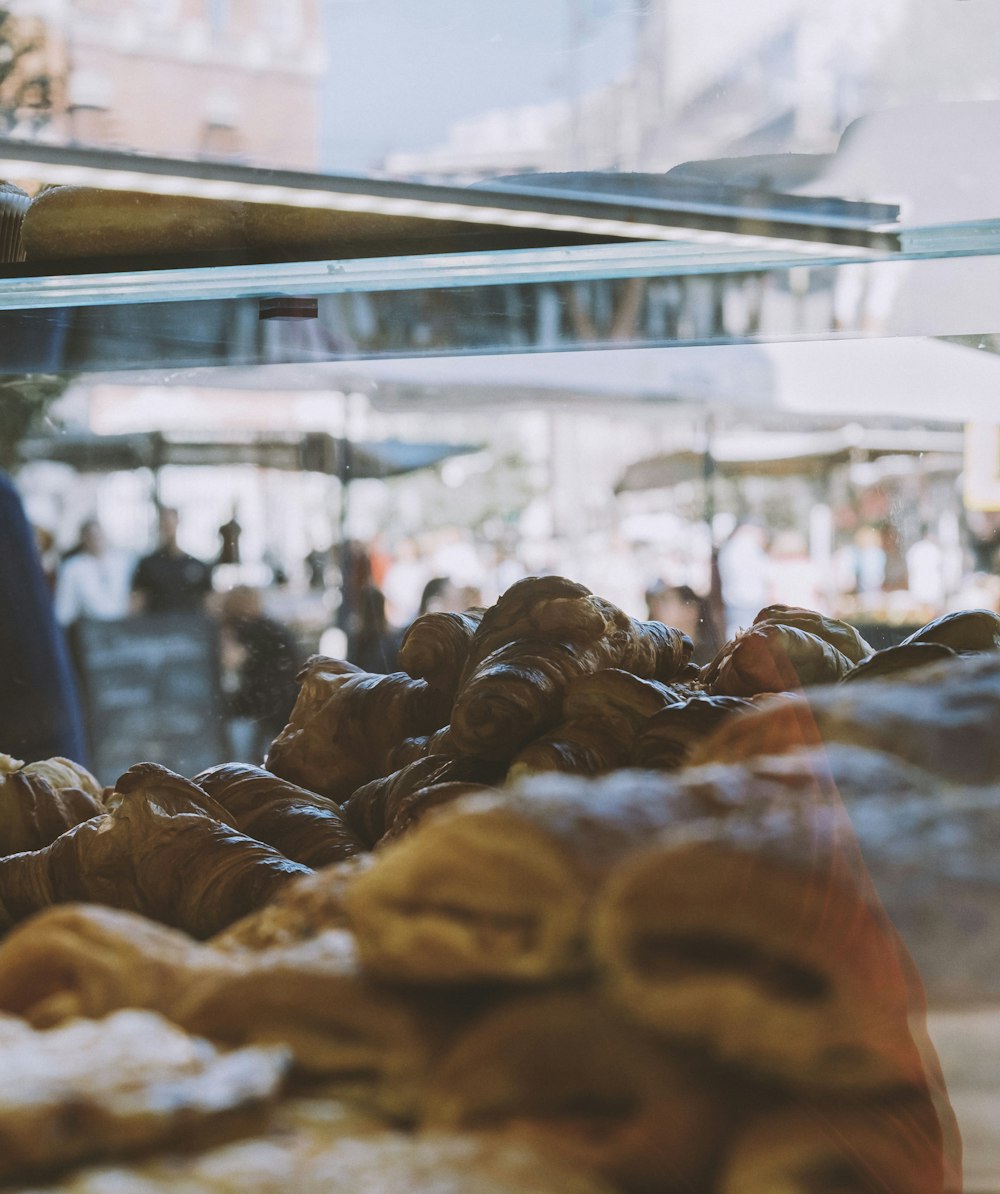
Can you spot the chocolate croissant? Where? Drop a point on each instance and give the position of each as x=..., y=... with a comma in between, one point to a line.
x=570, y=1074
x=770, y=657
x=499, y=886
x=756, y=937
x=39, y=801
x=305, y=827
x=158, y=852
x=435, y=648
x=602, y=714
x=346, y=723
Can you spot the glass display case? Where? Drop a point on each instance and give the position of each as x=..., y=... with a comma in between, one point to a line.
x=709, y=326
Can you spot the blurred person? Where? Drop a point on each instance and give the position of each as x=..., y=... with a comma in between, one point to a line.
x=372, y=643
x=681, y=607
x=40, y=712
x=440, y=595
x=94, y=581
x=168, y=580
x=260, y=661
x=793, y=575
x=925, y=572
x=744, y=575
x=869, y=561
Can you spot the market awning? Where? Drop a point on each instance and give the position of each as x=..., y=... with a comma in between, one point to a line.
x=313, y=452
x=783, y=455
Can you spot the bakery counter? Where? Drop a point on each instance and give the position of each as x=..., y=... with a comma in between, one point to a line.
x=551, y=906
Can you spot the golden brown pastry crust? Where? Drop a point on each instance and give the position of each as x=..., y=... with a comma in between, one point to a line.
x=302, y=909
x=499, y=886
x=304, y=826
x=667, y=739
x=892, y=660
x=69, y=222
x=346, y=724
x=887, y=1146
x=770, y=657
x=758, y=937
x=157, y=851
x=602, y=715
x=932, y=718
x=569, y=1073
x=435, y=648
x=838, y=634
x=372, y=810
x=39, y=801
x=966, y=631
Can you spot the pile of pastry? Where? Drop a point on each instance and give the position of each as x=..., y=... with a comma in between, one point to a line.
x=475, y=927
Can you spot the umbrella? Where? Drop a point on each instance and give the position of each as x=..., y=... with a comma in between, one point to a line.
x=790, y=454
x=313, y=452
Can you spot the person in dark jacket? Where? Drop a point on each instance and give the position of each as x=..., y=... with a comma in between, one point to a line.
x=40, y=713
x=263, y=660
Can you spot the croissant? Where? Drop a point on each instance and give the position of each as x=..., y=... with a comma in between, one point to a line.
x=537, y=606
x=966, y=631
x=302, y=909
x=308, y=996
x=668, y=737
x=415, y=806
x=568, y=1073
x=435, y=648
x=498, y=886
x=602, y=714
x=838, y=634
x=885, y=1147
x=939, y=718
x=118, y=1087
x=517, y=693
x=892, y=660
x=651, y=650
x=303, y=826
x=88, y=960
x=757, y=938
x=372, y=809
x=39, y=801
x=346, y=723
x=157, y=851
x=770, y=657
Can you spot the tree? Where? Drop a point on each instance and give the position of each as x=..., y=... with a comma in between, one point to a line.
x=25, y=86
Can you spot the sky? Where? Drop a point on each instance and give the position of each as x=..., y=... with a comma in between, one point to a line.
x=402, y=71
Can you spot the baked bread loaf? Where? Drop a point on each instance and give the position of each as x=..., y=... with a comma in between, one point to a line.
x=304, y=826
x=346, y=724
x=39, y=801
x=67, y=222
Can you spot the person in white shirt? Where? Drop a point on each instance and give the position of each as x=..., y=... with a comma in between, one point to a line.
x=95, y=582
